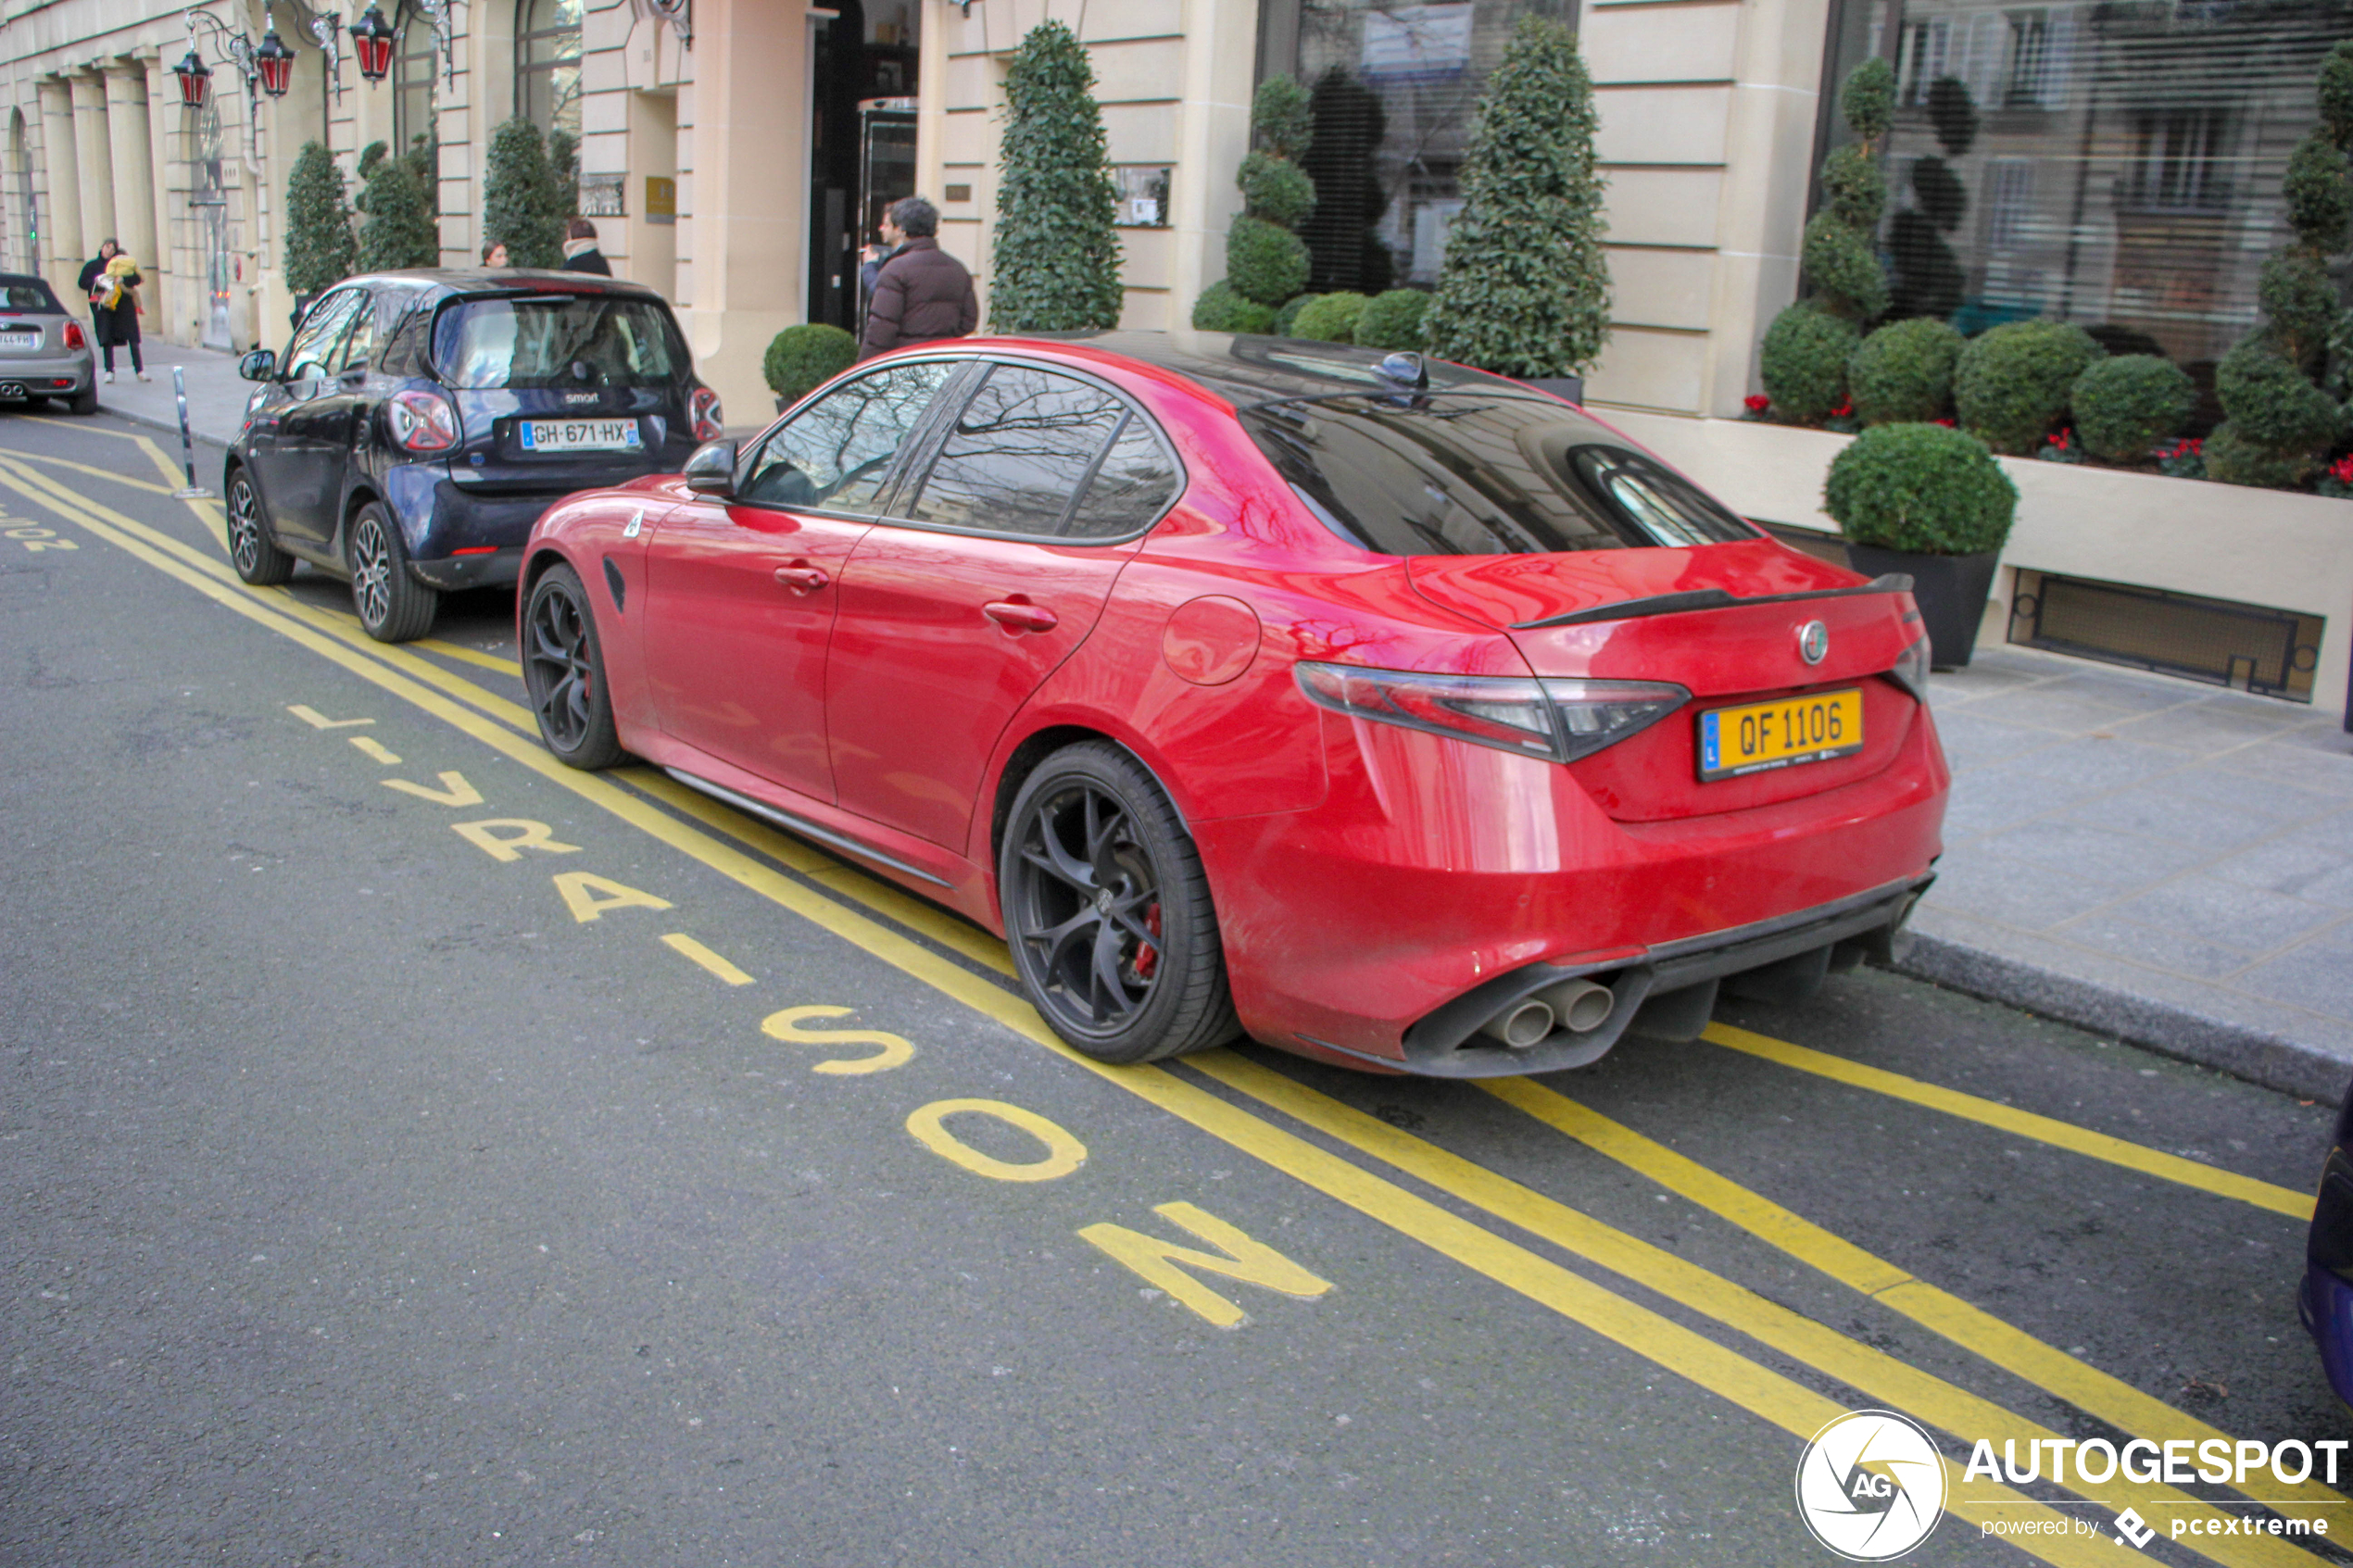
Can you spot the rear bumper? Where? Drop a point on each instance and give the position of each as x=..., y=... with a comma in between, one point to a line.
x=449, y=573
x=62, y=377
x=1354, y=929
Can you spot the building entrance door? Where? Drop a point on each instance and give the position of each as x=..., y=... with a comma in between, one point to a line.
x=861, y=144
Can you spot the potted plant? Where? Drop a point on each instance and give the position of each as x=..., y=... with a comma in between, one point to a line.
x=800, y=359
x=1930, y=502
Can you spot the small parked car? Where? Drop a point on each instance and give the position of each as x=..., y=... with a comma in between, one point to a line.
x=421, y=421
x=2326, y=1299
x=1396, y=714
x=44, y=350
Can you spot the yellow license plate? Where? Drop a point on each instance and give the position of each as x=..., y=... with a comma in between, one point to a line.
x=1750, y=739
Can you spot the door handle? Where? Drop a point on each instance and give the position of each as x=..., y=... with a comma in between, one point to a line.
x=1021, y=617
x=802, y=579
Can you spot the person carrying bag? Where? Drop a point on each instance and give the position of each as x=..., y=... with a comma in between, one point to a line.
x=115, y=311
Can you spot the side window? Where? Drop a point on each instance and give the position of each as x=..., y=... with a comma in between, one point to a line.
x=836, y=452
x=314, y=346
x=403, y=353
x=1135, y=484
x=358, y=345
x=1019, y=451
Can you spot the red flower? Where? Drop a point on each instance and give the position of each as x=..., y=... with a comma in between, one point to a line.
x=1845, y=406
x=1757, y=402
x=2058, y=439
x=2342, y=469
x=1949, y=424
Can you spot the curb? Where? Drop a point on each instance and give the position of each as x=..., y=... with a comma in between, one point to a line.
x=169, y=427
x=2270, y=1060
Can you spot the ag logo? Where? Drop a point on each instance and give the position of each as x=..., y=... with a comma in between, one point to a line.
x=1870, y=1485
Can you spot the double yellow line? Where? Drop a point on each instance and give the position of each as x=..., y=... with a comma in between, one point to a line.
x=505, y=728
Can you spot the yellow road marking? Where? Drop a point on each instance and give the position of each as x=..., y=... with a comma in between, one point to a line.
x=1764, y=1393
x=374, y=749
x=2025, y=1123
x=84, y=428
x=1876, y=1374
x=789, y=1025
x=679, y=942
x=2045, y=1366
x=1239, y=1256
x=319, y=721
x=1064, y=1152
x=95, y=472
x=470, y=655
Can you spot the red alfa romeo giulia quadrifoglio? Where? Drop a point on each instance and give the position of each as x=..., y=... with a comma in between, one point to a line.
x=1383, y=711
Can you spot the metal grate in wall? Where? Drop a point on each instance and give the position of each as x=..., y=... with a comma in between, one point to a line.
x=2250, y=647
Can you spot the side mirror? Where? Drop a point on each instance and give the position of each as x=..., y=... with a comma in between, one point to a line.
x=259, y=365
x=712, y=471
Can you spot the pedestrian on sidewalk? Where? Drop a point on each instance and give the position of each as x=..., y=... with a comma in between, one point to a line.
x=108, y=251
x=115, y=311
x=921, y=294
x=495, y=254
x=581, y=254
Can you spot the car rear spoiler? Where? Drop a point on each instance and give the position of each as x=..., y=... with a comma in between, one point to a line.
x=1709, y=599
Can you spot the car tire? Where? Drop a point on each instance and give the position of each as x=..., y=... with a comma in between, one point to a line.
x=253, y=549
x=1108, y=912
x=394, y=607
x=85, y=401
x=563, y=671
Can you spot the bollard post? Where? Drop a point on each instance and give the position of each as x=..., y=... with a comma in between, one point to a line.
x=188, y=442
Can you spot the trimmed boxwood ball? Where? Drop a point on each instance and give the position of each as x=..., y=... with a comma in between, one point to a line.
x=2126, y=404
x=1903, y=373
x=1331, y=319
x=1803, y=362
x=2319, y=202
x=2230, y=459
x=1275, y=189
x=1220, y=309
x=1393, y=321
x=1285, y=316
x=2280, y=424
x=1264, y=261
x=1283, y=115
x=1858, y=187
x=2299, y=296
x=1844, y=267
x=800, y=359
x=2012, y=383
x=1868, y=99
x=1923, y=489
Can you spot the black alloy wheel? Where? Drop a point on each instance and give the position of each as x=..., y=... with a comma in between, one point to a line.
x=1108, y=911
x=253, y=549
x=394, y=607
x=563, y=671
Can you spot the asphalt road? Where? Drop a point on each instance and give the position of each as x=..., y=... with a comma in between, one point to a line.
x=413, y=1152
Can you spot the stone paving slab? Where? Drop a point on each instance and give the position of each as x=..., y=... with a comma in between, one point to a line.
x=2158, y=859
x=216, y=397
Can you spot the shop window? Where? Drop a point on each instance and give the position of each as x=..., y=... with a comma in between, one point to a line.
x=548, y=63
x=1396, y=91
x=415, y=61
x=2114, y=165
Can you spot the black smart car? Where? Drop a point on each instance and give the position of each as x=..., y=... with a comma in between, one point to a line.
x=422, y=421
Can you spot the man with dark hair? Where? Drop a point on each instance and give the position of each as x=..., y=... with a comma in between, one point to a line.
x=581, y=254
x=921, y=293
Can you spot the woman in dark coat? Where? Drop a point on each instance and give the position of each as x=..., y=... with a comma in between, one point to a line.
x=118, y=325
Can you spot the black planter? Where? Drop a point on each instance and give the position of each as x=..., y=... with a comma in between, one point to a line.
x=1950, y=590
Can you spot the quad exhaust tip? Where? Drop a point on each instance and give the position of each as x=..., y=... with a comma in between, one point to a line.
x=1579, y=1006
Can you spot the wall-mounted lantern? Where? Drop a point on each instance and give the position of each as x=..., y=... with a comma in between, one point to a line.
x=372, y=42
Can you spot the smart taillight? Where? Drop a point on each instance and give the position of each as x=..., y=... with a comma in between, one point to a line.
x=422, y=422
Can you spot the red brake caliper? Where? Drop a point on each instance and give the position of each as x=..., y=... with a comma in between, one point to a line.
x=1148, y=956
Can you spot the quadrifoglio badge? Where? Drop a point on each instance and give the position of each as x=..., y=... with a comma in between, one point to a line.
x=1872, y=1484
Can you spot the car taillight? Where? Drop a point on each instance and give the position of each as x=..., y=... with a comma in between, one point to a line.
x=422, y=422
x=1557, y=720
x=73, y=336
x=705, y=408
x=1911, y=670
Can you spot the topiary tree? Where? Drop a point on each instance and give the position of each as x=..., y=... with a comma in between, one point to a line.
x=1803, y=361
x=1929, y=279
x=1265, y=262
x=1343, y=234
x=320, y=251
x=2125, y=404
x=1220, y=309
x=1921, y=489
x=1903, y=373
x=1393, y=320
x=520, y=198
x=800, y=359
x=400, y=230
x=2011, y=384
x=1524, y=290
x=563, y=168
x=1331, y=319
x=1054, y=261
x=2278, y=424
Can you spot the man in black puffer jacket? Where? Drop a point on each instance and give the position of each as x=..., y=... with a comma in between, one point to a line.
x=921, y=293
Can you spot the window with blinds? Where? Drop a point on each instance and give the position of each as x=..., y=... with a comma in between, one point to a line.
x=1396, y=91
x=2114, y=164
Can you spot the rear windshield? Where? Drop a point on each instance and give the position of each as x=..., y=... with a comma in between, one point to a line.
x=1472, y=474
x=557, y=340
x=27, y=296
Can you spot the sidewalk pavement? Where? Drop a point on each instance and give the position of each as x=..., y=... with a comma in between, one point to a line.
x=2143, y=856
x=216, y=397
x=2148, y=858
